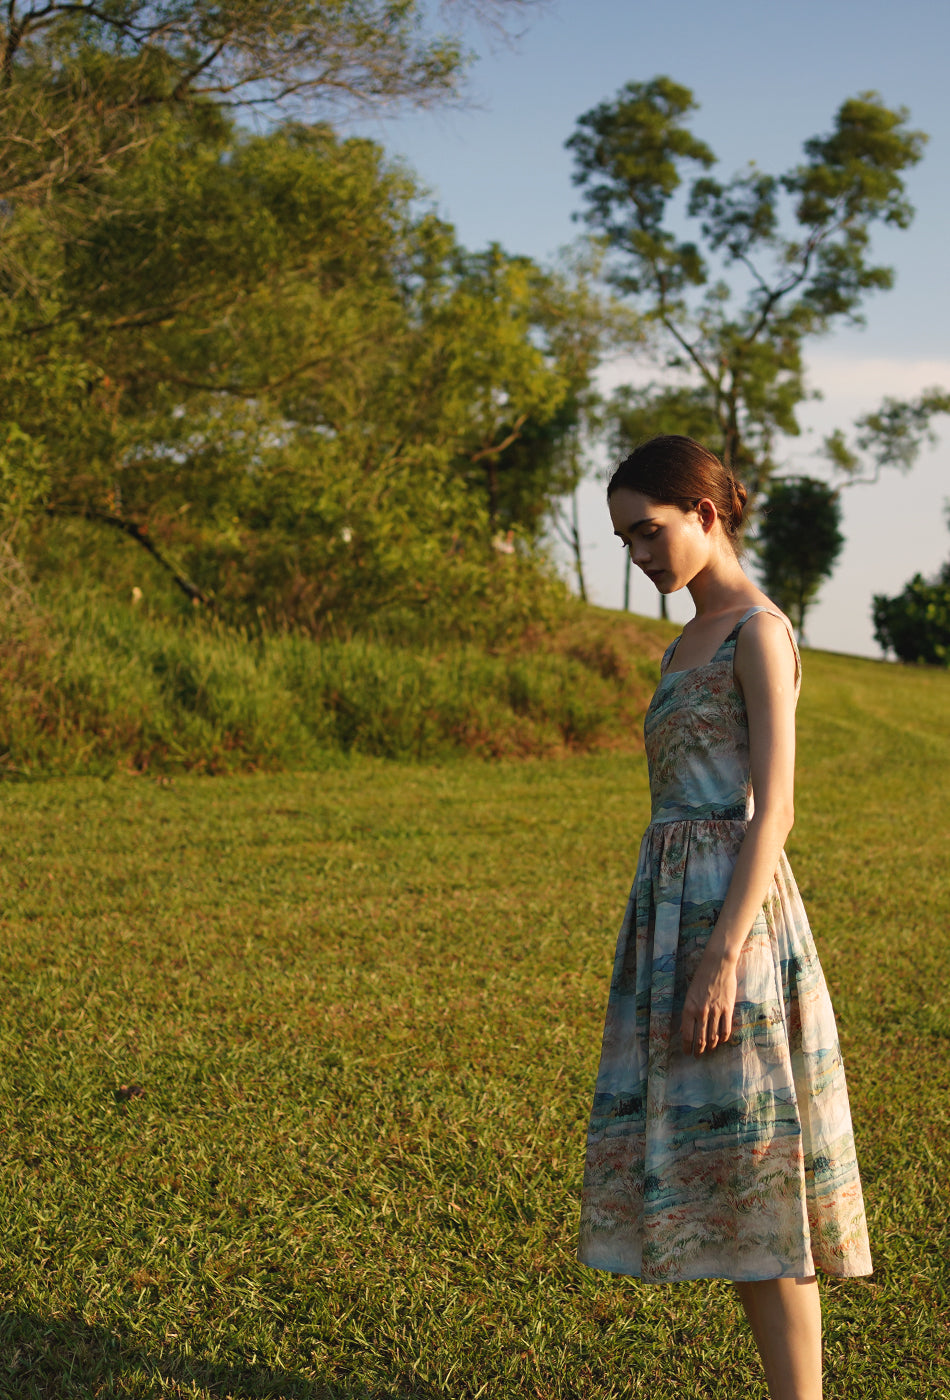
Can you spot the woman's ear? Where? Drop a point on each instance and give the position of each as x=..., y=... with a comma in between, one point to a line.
x=708, y=514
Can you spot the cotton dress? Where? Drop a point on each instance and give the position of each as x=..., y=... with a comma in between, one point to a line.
x=739, y=1163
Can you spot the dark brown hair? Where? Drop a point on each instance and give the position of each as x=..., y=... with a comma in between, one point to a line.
x=678, y=471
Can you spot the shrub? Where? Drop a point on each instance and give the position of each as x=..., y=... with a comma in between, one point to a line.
x=916, y=624
x=91, y=684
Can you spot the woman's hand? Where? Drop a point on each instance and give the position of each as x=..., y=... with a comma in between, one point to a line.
x=710, y=1003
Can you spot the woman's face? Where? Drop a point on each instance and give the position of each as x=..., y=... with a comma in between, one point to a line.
x=671, y=546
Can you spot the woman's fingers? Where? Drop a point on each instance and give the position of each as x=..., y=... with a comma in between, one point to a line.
x=708, y=1009
x=705, y=1029
x=694, y=1032
x=720, y=1028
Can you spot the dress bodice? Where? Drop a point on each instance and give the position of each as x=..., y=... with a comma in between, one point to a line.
x=697, y=739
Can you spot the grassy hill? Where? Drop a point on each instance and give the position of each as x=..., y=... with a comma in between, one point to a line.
x=90, y=684
x=295, y=1069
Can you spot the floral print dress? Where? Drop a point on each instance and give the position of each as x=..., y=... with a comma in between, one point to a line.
x=740, y=1163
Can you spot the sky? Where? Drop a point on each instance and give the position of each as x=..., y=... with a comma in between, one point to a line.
x=766, y=77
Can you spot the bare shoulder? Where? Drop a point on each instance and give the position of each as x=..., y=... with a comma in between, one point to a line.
x=765, y=651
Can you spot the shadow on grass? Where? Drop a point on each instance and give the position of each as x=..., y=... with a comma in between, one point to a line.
x=44, y=1357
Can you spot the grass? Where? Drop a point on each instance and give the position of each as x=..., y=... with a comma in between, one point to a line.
x=295, y=1070
x=90, y=684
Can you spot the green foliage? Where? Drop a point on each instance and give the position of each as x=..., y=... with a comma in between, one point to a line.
x=295, y=1070
x=261, y=357
x=509, y=666
x=254, y=53
x=637, y=414
x=264, y=363
x=628, y=155
x=915, y=625
x=891, y=436
x=798, y=542
x=775, y=260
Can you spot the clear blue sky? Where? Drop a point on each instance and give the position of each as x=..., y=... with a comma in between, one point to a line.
x=766, y=76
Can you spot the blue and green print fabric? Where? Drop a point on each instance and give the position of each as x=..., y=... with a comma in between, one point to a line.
x=739, y=1163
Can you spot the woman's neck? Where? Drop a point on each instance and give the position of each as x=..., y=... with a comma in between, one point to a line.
x=721, y=586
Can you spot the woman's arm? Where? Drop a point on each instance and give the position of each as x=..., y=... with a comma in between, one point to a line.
x=765, y=669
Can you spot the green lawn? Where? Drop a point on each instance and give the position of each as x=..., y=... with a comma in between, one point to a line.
x=295, y=1071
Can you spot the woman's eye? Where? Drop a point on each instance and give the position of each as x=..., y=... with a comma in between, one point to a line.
x=649, y=535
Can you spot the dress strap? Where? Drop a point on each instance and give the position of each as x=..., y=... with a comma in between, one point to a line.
x=667, y=656
x=758, y=608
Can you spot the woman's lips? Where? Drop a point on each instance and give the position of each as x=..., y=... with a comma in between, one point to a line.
x=654, y=574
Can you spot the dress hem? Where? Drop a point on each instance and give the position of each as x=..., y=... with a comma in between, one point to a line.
x=727, y=1278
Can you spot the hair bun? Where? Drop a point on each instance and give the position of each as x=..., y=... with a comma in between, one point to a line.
x=739, y=497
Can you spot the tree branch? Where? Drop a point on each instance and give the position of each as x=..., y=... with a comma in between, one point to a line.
x=186, y=79
x=670, y=325
x=140, y=535
x=863, y=480
x=693, y=354
x=500, y=447
x=776, y=294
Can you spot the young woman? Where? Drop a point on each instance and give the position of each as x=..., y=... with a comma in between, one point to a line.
x=720, y=1142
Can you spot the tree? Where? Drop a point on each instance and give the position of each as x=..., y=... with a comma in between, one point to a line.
x=518, y=345
x=915, y=625
x=774, y=262
x=86, y=87
x=798, y=543
x=260, y=360
x=254, y=355
x=74, y=73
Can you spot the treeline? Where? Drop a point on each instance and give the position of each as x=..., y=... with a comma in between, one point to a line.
x=276, y=451
x=260, y=357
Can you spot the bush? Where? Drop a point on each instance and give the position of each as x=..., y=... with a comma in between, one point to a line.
x=92, y=684
x=916, y=624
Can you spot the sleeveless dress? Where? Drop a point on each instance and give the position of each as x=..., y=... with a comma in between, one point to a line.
x=739, y=1163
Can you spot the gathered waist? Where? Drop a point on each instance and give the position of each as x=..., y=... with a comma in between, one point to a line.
x=709, y=812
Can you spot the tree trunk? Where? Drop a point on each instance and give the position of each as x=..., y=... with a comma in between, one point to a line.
x=569, y=532
x=491, y=485
x=576, y=543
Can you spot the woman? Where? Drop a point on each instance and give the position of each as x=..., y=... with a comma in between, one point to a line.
x=720, y=1143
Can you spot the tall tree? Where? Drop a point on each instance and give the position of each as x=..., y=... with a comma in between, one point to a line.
x=774, y=260
x=798, y=542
